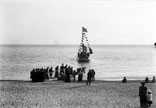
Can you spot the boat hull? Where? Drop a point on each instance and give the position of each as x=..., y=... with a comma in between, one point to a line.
x=83, y=59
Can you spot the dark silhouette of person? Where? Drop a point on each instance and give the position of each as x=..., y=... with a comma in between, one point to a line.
x=62, y=69
x=47, y=72
x=74, y=75
x=146, y=80
x=93, y=74
x=89, y=77
x=51, y=72
x=153, y=80
x=80, y=76
x=124, y=80
x=67, y=73
x=142, y=95
x=81, y=71
x=56, y=72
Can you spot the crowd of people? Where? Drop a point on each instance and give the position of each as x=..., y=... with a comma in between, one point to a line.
x=63, y=72
x=145, y=93
x=66, y=73
x=40, y=74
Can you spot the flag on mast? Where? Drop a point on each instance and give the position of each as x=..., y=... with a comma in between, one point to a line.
x=84, y=29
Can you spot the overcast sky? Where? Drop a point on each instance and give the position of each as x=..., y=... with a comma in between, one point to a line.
x=61, y=21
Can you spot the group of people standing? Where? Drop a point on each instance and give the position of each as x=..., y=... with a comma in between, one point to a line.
x=40, y=74
x=63, y=72
x=145, y=93
x=66, y=72
x=148, y=81
x=124, y=80
x=90, y=76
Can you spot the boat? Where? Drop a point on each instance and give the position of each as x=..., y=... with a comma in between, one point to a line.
x=84, y=48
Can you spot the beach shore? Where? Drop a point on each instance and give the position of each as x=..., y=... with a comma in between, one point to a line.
x=58, y=94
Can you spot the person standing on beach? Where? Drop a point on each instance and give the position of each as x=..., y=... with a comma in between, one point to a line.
x=89, y=77
x=62, y=69
x=124, y=80
x=67, y=72
x=146, y=80
x=93, y=74
x=153, y=80
x=149, y=97
x=142, y=95
x=74, y=75
x=56, y=71
x=51, y=72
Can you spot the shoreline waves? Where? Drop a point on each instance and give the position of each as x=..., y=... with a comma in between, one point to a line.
x=108, y=61
x=57, y=94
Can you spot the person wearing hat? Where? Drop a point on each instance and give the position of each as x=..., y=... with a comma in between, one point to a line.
x=142, y=95
x=149, y=97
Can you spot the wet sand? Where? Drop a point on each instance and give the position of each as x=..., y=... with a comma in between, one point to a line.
x=57, y=94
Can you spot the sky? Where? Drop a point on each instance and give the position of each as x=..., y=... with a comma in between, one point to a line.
x=61, y=21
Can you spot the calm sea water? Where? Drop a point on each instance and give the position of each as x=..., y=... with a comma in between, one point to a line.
x=109, y=61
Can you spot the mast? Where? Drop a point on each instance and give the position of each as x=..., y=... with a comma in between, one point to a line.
x=84, y=30
x=83, y=48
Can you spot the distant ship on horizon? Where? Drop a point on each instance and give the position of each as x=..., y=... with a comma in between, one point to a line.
x=84, y=49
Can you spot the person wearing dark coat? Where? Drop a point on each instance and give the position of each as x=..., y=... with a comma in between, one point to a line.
x=62, y=69
x=153, y=80
x=146, y=80
x=142, y=95
x=51, y=72
x=74, y=75
x=124, y=80
x=93, y=74
x=89, y=77
x=56, y=71
x=80, y=76
x=67, y=73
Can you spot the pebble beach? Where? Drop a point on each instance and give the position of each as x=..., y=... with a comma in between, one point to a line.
x=58, y=94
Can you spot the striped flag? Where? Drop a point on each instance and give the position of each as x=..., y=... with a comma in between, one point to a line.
x=84, y=29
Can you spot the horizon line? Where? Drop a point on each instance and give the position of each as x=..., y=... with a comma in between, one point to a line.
x=73, y=44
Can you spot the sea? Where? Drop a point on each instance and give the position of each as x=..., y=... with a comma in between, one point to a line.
x=110, y=62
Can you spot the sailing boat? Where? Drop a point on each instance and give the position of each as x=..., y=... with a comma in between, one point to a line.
x=84, y=49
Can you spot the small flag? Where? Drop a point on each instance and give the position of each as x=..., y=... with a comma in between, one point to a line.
x=84, y=29
x=83, y=33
